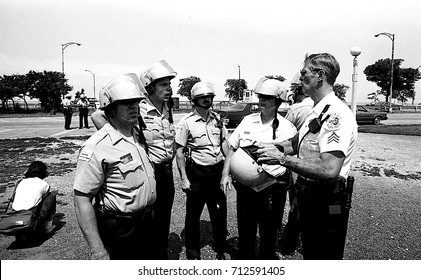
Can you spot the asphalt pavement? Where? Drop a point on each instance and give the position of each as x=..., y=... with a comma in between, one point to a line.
x=53, y=126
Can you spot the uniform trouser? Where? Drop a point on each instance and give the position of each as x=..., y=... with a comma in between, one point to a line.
x=291, y=230
x=322, y=234
x=67, y=118
x=205, y=189
x=264, y=209
x=83, y=117
x=128, y=237
x=163, y=206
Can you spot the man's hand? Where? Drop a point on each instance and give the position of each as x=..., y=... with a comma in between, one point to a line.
x=268, y=153
x=185, y=185
x=226, y=183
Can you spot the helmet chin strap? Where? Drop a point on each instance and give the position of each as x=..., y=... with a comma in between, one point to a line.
x=204, y=107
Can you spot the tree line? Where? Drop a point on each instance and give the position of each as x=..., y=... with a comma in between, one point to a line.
x=51, y=86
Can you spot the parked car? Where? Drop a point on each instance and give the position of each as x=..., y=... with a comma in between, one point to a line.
x=232, y=116
x=365, y=115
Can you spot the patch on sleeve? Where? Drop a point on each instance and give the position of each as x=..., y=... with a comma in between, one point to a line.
x=85, y=155
x=334, y=122
x=333, y=138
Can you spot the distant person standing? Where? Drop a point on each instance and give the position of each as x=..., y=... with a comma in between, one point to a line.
x=67, y=110
x=83, y=105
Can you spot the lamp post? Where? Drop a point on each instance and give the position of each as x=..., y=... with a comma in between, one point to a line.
x=391, y=37
x=93, y=75
x=415, y=75
x=355, y=52
x=239, y=82
x=64, y=46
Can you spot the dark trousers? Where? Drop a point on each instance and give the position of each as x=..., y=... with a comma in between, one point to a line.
x=163, y=206
x=128, y=237
x=322, y=234
x=291, y=232
x=67, y=118
x=83, y=117
x=205, y=189
x=264, y=209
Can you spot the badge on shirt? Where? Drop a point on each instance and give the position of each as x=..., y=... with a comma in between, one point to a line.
x=85, y=154
x=126, y=158
x=246, y=132
x=334, y=122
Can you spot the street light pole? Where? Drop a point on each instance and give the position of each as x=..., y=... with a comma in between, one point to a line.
x=355, y=52
x=239, y=82
x=64, y=46
x=93, y=75
x=391, y=37
x=415, y=75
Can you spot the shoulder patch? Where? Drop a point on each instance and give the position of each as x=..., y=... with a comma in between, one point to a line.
x=334, y=122
x=85, y=154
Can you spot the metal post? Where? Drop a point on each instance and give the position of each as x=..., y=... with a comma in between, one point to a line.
x=93, y=75
x=239, y=82
x=63, y=46
x=391, y=37
x=355, y=51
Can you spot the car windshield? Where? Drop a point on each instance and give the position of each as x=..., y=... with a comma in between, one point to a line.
x=238, y=106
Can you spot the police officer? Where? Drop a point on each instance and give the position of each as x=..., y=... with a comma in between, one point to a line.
x=83, y=105
x=261, y=193
x=67, y=110
x=159, y=130
x=325, y=147
x=113, y=168
x=157, y=124
x=297, y=115
x=200, y=134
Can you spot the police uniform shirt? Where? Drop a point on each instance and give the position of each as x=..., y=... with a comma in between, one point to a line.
x=118, y=168
x=297, y=113
x=251, y=130
x=66, y=102
x=338, y=132
x=201, y=137
x=159, y=132
x=83, y=103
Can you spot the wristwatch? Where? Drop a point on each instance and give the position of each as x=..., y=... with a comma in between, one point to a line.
x=282, y=159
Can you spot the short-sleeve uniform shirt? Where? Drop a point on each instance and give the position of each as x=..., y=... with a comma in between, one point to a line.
x=118, y=169
x=298, y=112
x=338, y=133
x=251, y=130
x=202, y=137
x=159, y=132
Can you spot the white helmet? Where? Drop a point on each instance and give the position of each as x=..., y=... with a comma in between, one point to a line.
x=201, y=89
x=82, y=96
x=272, y=87
x=158, y=70
x=124, y=87
x=248, y=172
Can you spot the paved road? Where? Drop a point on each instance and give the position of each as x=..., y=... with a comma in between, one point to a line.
x=11, y=128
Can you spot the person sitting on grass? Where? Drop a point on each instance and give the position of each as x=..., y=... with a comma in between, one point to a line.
x=34, y=192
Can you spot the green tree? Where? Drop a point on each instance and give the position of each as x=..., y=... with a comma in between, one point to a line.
x=379, y=73
x=185, y=86
x=49, y=87
x=340, y=90
x=234, y=89
x=374, y=96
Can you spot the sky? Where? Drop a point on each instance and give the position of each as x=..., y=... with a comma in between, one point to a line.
x=214, y=40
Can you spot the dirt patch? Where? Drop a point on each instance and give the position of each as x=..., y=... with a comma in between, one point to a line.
x=384, y=221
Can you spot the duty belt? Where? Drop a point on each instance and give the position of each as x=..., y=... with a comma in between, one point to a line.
x=142, y=214
x=164, y=168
